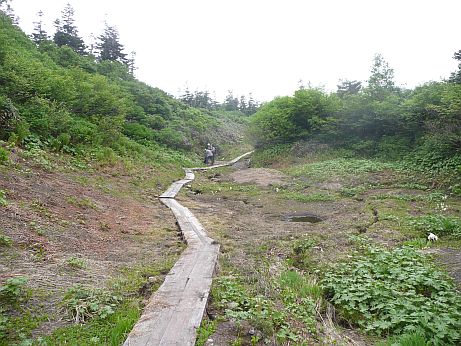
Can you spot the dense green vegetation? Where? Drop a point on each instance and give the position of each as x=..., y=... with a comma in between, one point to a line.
x=74, y=103
x=396, y=292
x=414, y=138
x=423, y=125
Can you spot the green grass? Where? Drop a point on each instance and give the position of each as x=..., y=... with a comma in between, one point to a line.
x=3, y=201
x=84, y=203
x=108, y=331
x=206, y=329
x=307, y=198
x=76, y=262
x=340, y=167
x=5, y=240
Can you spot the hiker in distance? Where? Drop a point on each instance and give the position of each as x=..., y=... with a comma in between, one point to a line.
x=210, y=152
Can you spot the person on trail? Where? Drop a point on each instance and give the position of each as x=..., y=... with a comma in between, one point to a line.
x=208, y=154
x=213, y=150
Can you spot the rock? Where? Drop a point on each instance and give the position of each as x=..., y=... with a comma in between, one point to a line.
x=232, y=305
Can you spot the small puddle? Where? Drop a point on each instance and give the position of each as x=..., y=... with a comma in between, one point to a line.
x=311, y=218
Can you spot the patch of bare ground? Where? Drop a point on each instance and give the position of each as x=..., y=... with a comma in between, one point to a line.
x=256, y=239
x=52, y=217
x=258, y=176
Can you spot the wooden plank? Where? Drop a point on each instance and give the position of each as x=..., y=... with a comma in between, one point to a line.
x=175, y=311
x=228, y=163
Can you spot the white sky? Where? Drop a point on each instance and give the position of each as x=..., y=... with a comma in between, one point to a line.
x=267, y=46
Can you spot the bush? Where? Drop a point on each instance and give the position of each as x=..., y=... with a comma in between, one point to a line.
x=13, y=290
x=171, y=138
x=84, y=303
x=395, y=292
x=9, y=116
x=438, y=224
x=4, y=155
x=270, y=155
x=5, y=240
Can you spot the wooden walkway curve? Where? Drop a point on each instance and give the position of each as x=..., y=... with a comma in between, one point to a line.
x=175, y=310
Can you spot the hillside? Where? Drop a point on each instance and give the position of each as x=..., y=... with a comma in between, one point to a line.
x=343, y=227
x=85, y=149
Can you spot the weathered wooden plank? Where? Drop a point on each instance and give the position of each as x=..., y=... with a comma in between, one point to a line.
x=189, y=174
x=174, y=188
x=176, y=309
x=228, y=163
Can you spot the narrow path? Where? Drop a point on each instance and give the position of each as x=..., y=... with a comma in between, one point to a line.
x=175, y=310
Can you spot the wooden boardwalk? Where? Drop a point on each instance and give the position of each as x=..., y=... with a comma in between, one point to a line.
x=176, y=309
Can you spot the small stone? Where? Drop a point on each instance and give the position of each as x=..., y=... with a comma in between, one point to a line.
x=152, y=279
x=251, y=331
x=232, y=305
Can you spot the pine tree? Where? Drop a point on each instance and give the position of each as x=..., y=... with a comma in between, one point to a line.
x=39, y=35
x=67, y=33
x=456, y=76
x=347, y=87
x=6, y=8
x=130, y=63
x=243, y=104
x=187, y=97
x=252, y=106
x=109, y=47
x=231, y=103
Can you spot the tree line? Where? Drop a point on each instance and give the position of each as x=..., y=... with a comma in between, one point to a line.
x=204, y=99
x=379, y=118
x=106, y=48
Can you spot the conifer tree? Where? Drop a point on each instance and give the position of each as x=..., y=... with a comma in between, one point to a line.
x=456, y=76
x=231, y=103
x=130, y=63
x=347, y=87
x=6, y=8
x=252, y=105
x=39, y=35
x=66, y=31
x=109, y=47
x=243, y=104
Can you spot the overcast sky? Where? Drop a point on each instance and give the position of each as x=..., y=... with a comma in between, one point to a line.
x=267, y=46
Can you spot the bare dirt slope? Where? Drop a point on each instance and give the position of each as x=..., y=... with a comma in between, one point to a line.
x=57, y=219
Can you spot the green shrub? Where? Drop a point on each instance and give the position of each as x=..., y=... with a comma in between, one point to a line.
x=137, y=131
x=270, y=155
x=396, y=291
x=13, y=290
x=76, y=262
x=9, y=116
x=84, y=303
x=4, y=155
x=5, y=240
x=3, y=201
x=437, y=224
x=171, y=138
